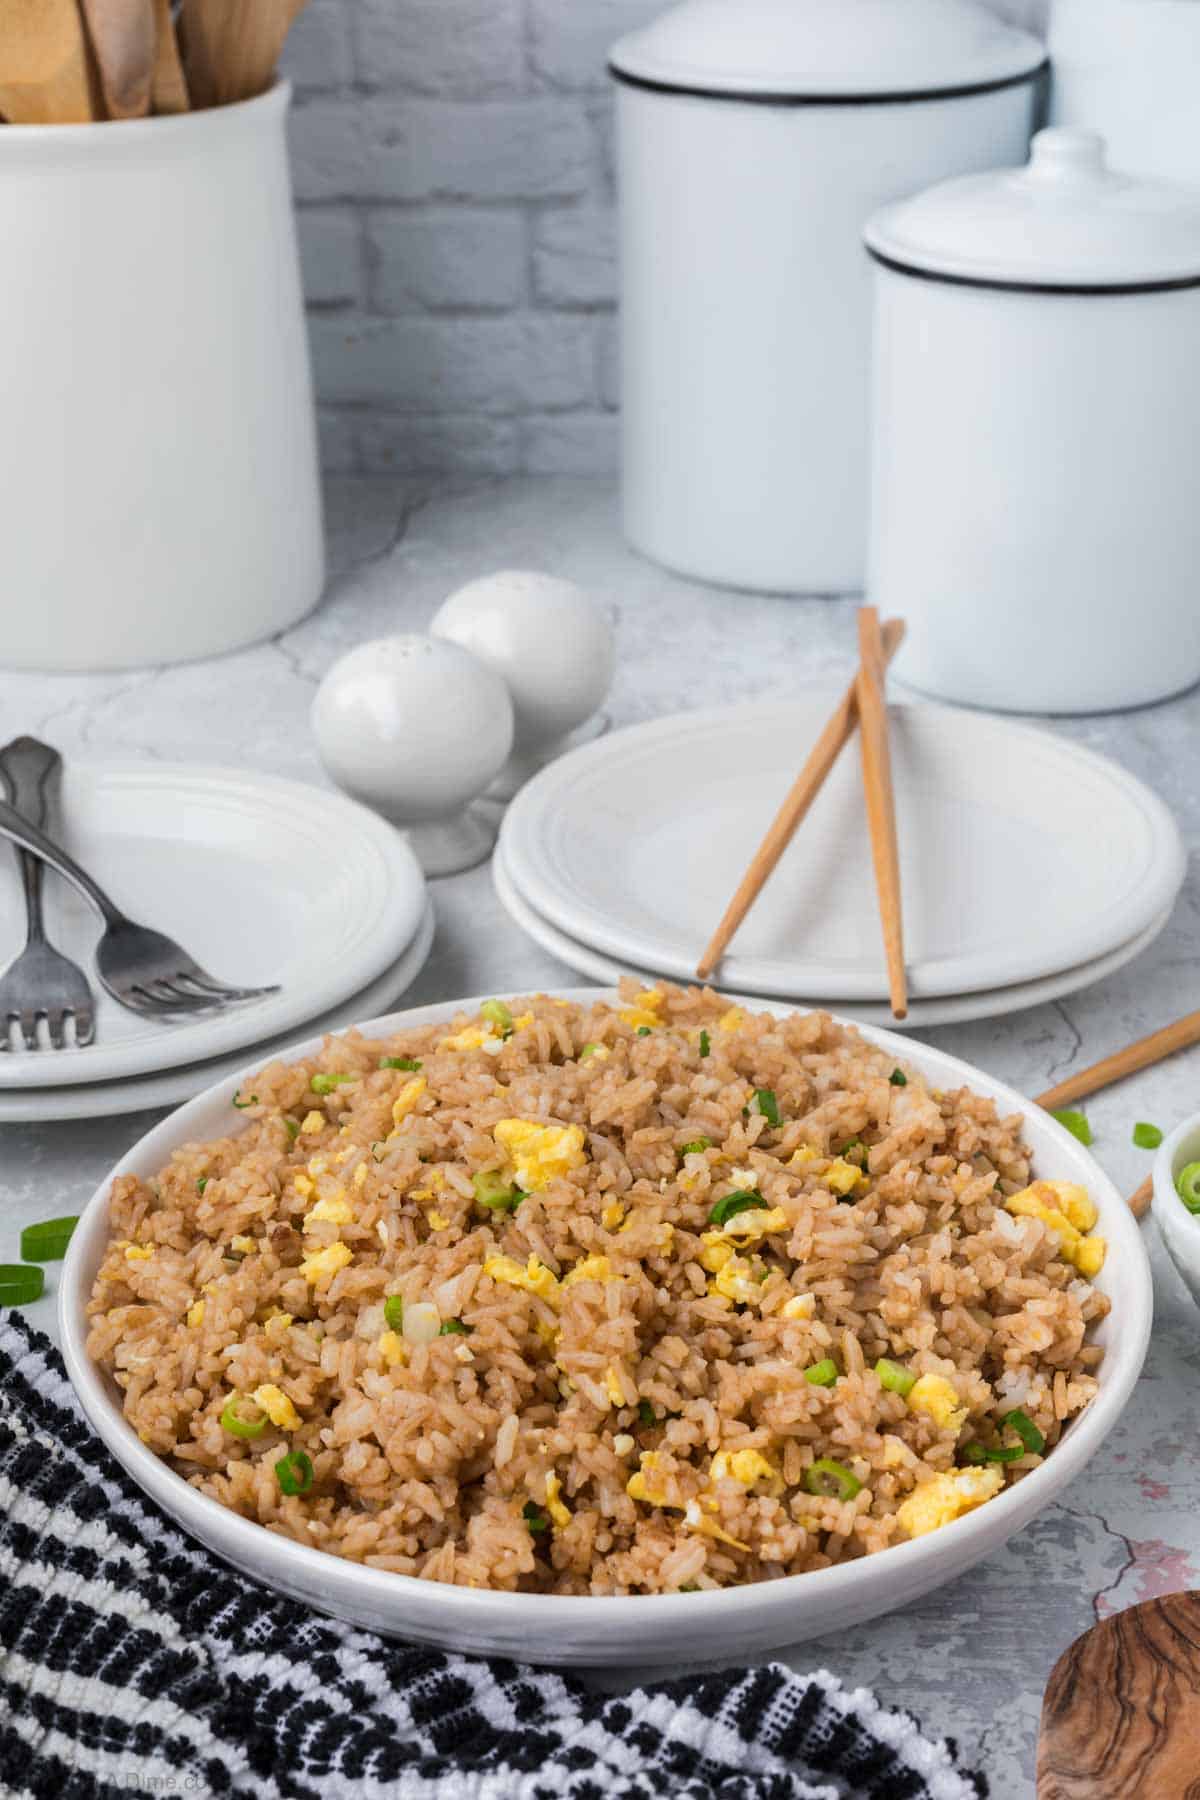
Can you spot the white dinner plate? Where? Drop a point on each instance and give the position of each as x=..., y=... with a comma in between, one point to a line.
x=260, y=879
x=108, y=1099
x=660, y=1629
x=954, y=1009
x=1021, y=854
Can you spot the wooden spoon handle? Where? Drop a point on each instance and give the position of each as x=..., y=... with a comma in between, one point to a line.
x=232, y=47
x=123, y=38
x=169, y=91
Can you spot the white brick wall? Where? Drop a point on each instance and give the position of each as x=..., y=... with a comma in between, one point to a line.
x=453, y=170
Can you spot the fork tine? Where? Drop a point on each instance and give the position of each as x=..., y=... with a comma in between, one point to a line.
x=85, y=1026
x=217, y=990
x=27, y=1020
x=54, y=1025
x=159, y=996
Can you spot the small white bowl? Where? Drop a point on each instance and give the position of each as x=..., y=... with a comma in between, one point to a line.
x=1180, y=1229
x=664, y=1629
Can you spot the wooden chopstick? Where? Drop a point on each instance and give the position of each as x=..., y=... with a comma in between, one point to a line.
x=800, y=797
x=1139, y=1200
x=1141, y=1055
x=881, y=807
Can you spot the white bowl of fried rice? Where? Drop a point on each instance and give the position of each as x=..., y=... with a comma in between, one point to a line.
x=606, y=1328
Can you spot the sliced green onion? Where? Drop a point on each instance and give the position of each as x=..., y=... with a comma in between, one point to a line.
x=643, y=1031
x=294, y=1472
x=1025, y=1429
x=325, y=1084
x=243, y=1104
x=588, y=1050
x=1187, y=1186
x=646, y=1413
x=393, y=1312
x=697, y=1147
x=535, y=1518
x=764, y=1102
x=689, y=1587
x=455, y=1328
x=233, y=1421
x=898, y=1078
x=730, y=1205
x=894, y=1376
x=201, y=1183
x=705, y=1043
x=1147, y=1137
x=410, y=1063
x=494, y=1191
x=833, y=1478
x=20, y=1283
x=292, y=1127
x=823, y=1373
x=1076, y=1123
x=983, y=1453
x=1032, y=1442
x=48, y=1241
x=496, y=1013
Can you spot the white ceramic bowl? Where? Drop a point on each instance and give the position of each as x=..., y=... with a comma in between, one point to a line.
x=1180, y=1229
x=654, y=1629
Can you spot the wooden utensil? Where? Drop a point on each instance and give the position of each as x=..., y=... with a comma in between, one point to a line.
x=881, y=807
x=168, y=90
x=800, y=796
x=1141, y=1055
x=123, y=37
x=1121, y=1717
x=231, y=48
x=44, y=76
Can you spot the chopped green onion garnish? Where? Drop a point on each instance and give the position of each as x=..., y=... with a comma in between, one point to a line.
x=1025, y=1429
x=1187, y=1186
x=455, y=1328
x=643, y=1031
x=535, y=1518
x=898, y=1078
x=293, y=1127
x=20, y=1283
x=294, y=1472
x=894, y=1376
x=689, y=1587
x=393, y=1312
x=1032, y=1442
x=201, y=1183
x=496, y=1013
x=233, y=1421
x=822, y=1374
x=243, y=1104
x=730, y=1205
x=325, y=1084
x=764, y=1102
x=1147, y=1137
x=495, y=1192
x=400, y=1062
x=705, y=1043
x=697, y=1147
x=48, y=1241
x=834, y=1478
x=981, y=1453
x=646, y=1413
x=1076, y=1123
x=588, y=1050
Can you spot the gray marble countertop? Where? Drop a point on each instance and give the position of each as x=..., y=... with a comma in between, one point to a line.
x=971, y=1660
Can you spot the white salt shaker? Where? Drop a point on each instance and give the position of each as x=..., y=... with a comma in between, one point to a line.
x=417, y=728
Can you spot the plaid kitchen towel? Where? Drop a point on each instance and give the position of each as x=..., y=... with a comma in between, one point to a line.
x=133, y=1662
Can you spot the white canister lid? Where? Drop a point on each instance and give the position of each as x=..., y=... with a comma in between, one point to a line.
x=1065, y=222
x=831, y=51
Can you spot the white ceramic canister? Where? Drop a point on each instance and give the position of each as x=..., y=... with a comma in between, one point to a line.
x=158, y=470
x=1036, y=415
x=1131, y=69
x=755, y=137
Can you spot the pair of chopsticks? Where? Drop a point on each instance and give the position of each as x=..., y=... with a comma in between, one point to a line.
x=862, y=704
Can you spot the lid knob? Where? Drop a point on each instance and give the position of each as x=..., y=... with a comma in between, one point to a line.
x=1069, y=153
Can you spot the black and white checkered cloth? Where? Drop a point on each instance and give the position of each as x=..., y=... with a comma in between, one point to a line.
x=132, y=1662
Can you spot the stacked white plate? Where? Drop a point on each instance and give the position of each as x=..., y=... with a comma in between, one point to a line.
x=1030, y=867
x=262, y=880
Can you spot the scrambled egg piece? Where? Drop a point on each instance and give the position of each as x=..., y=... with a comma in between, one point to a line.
x=472, y=1037
x=747, y=1467
x=539, y=1153
x=437, y=1221
x=312, y=1123
x=637, y=1487
x=804, y=1153
x=613, y=1388
x=277, y=1406
x=245, y=1246
x=754, y=1224
x=276, y=1322
x=360, y=1176
x=592, y=1268
x=937, y=1397
x=1069, y=1211
x=304, y=1186
x=535, y=1277
x=195, y=1313
x=321, y=1266
x=800, y=1306
x=612, y=1215
x=547, y=1335
x=138, y=1252
x=731, y=1020
x=737, y=1280
x=947, y=1497
x=644, y=1011
x=336, y=1210
x=407, y=1098
x=523, y=1022
x=559, y=1513
x=842, y=1176
x=392, y=1348
x=717, y=1251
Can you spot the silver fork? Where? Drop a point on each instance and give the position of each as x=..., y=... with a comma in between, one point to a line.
x=142, y=969
x=39, y=982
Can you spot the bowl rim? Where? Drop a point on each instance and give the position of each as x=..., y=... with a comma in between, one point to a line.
x=1169, y=1211
x=284, y=1560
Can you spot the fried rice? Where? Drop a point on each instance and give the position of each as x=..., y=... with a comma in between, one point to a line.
x=601, y=1299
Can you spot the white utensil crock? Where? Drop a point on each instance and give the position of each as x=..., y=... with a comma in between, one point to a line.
x=1036, y=412
x=158, y=467
x=1131, y=69
x=755, y=137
